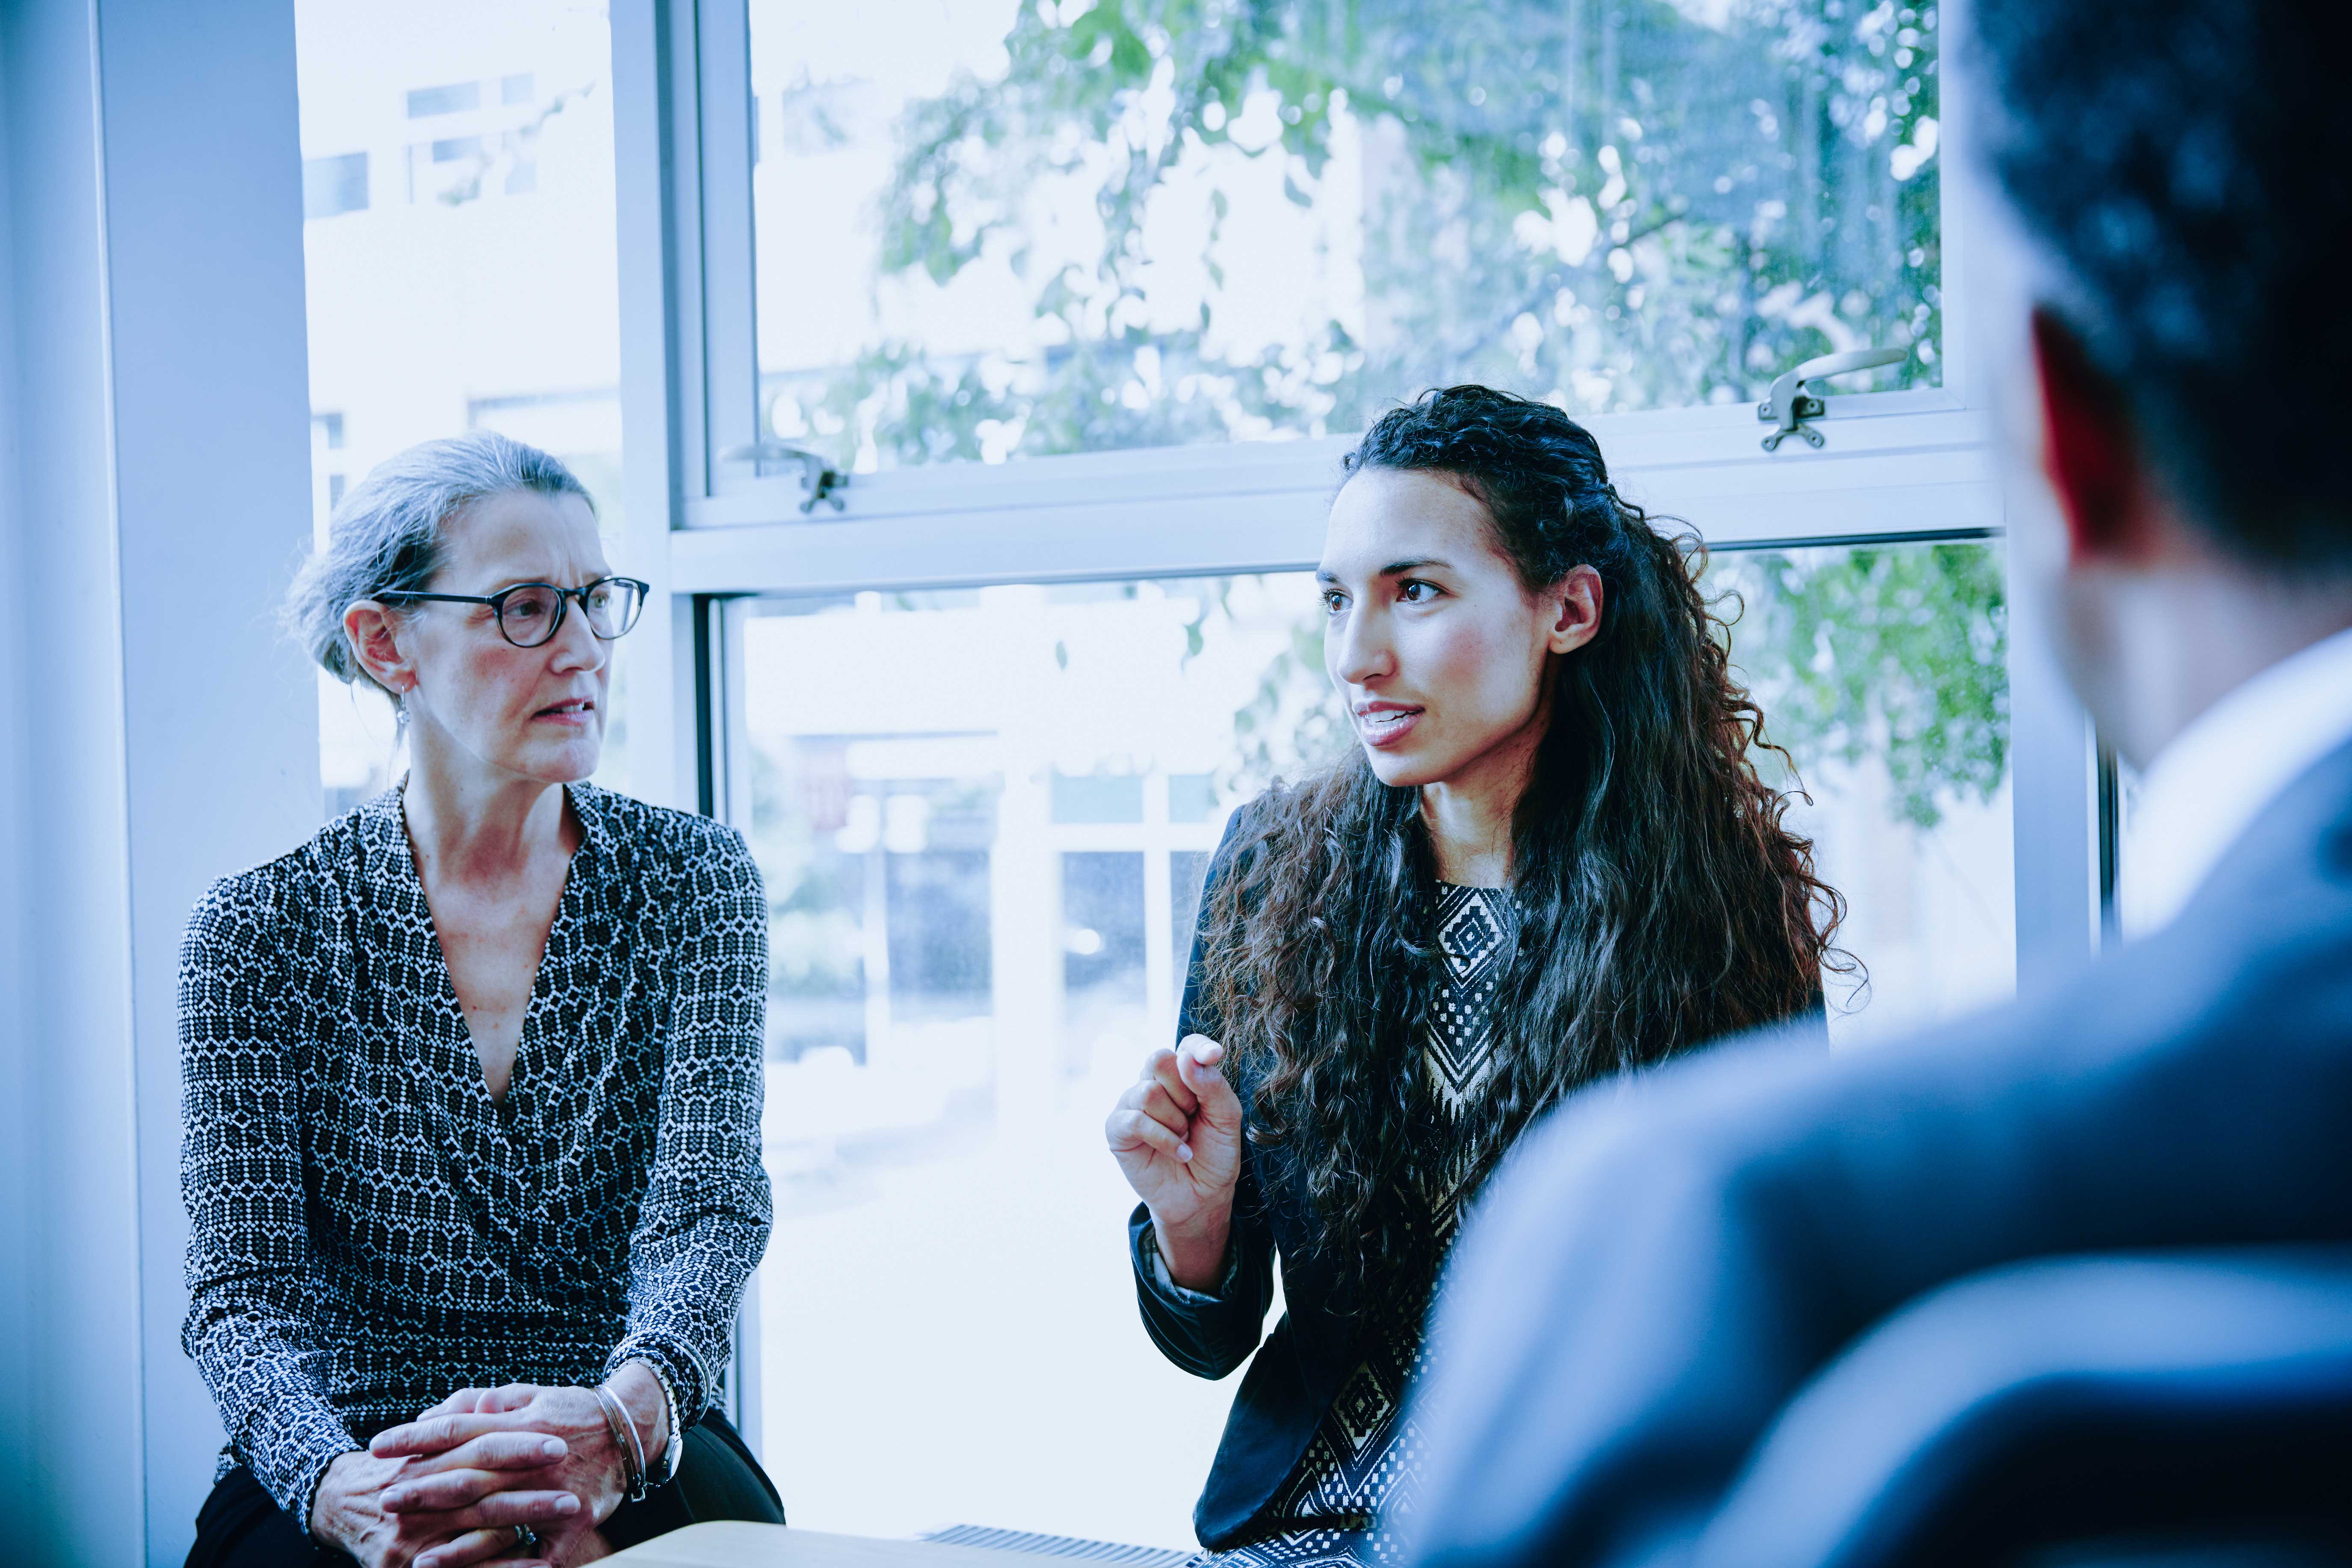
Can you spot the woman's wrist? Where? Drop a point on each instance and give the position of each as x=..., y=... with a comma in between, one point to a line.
x=1195, y=1252
x=330, y=1497
x=319, y=1523
x=639, y=1391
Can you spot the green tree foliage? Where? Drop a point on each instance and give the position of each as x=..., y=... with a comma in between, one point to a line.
x=1900, y=651
x=1611, y=203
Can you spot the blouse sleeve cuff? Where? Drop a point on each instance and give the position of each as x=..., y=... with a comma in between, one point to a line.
x=678, y=1369
x=1154, y=1269
x=292, y=1478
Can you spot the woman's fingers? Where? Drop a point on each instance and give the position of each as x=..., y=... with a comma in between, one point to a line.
x=1199, y=1060
x=510, y=1508
x=482, y=1401
x=430, y=1483
x=1161, y=1108
x=1132, y=1096
x=474, y=1546
x=1161, y=1070
x=1131, y=1129
x=437, y=1433
x=513, y=1396
x=444, y=1493
x=477, y=1546
x=501, y=1512
x=1201, y=1049
x=463, y=1402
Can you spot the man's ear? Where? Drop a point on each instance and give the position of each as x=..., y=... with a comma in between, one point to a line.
x=2089, y=450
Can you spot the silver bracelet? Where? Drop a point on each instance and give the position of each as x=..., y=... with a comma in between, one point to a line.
x=676, y=1436
x=625, y=1438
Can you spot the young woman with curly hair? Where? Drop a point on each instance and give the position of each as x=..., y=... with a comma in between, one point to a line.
x=1550, y=859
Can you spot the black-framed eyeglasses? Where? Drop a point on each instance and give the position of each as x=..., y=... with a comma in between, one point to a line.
x=529, y=614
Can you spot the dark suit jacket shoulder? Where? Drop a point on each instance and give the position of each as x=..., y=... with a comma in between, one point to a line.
x=1664, y=1263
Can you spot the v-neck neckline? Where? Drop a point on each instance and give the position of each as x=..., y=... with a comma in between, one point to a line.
x=456, y=1055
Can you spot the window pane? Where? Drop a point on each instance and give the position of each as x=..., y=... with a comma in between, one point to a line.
x=458, y=171
x=990, y=228
x=1884, y=671
x=983, y=888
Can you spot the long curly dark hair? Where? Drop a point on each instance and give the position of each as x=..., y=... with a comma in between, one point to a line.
x=1661, y=902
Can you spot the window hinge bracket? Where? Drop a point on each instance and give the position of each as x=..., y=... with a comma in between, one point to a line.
x=819, y=479
x=1789, y=406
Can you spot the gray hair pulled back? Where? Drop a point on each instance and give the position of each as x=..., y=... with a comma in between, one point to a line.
x=388, y=532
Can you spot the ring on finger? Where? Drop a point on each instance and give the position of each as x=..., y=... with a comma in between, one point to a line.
x=526, y=1538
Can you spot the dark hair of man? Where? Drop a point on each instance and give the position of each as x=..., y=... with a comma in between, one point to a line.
x=2187, y=166
x=1661, y=902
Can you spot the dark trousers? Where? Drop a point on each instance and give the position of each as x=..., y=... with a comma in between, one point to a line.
x=240, y=1527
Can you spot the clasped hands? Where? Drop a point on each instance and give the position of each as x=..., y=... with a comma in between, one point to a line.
x=448, y=1488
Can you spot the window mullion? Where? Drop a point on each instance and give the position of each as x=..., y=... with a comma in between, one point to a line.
x=2053, y=760
x=658, y=249
x=729, y=327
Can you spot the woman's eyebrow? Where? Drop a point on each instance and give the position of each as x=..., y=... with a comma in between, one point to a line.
x=503, y=585
x=1393, y=569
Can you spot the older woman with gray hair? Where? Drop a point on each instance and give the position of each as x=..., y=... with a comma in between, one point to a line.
x=473, y=1081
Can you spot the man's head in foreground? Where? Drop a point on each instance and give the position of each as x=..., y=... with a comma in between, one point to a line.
x=2181, y=175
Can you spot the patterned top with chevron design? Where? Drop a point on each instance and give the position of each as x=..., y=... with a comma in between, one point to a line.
x=370, y=1232
x=1364, y=1449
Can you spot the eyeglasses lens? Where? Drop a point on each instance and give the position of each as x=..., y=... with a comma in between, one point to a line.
x=529, y=615
x=613, y=607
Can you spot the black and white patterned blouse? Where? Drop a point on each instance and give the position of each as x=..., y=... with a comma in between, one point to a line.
x=1358, y=1465
x=370, y=1231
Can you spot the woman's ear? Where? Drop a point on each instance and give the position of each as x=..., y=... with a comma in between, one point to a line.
x=1575, y=600
x=374, y=632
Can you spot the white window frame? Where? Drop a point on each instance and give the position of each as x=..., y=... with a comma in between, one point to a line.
x=1919, y=465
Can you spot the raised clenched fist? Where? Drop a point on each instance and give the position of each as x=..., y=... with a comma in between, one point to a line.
x=1177, y=1135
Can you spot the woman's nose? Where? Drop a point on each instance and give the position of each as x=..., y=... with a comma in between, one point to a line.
x=576, y=644
x=1362, y=651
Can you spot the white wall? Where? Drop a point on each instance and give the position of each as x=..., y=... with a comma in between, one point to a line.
x=15, y=1016
x=165, y=736
x=81, y=1500
x=211, y=409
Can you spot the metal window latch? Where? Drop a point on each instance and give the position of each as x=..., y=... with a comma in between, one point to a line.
x=1790, y=405
x=819, y=479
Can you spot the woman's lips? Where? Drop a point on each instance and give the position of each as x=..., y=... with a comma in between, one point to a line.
x=1386, y=727
x=578, y=711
